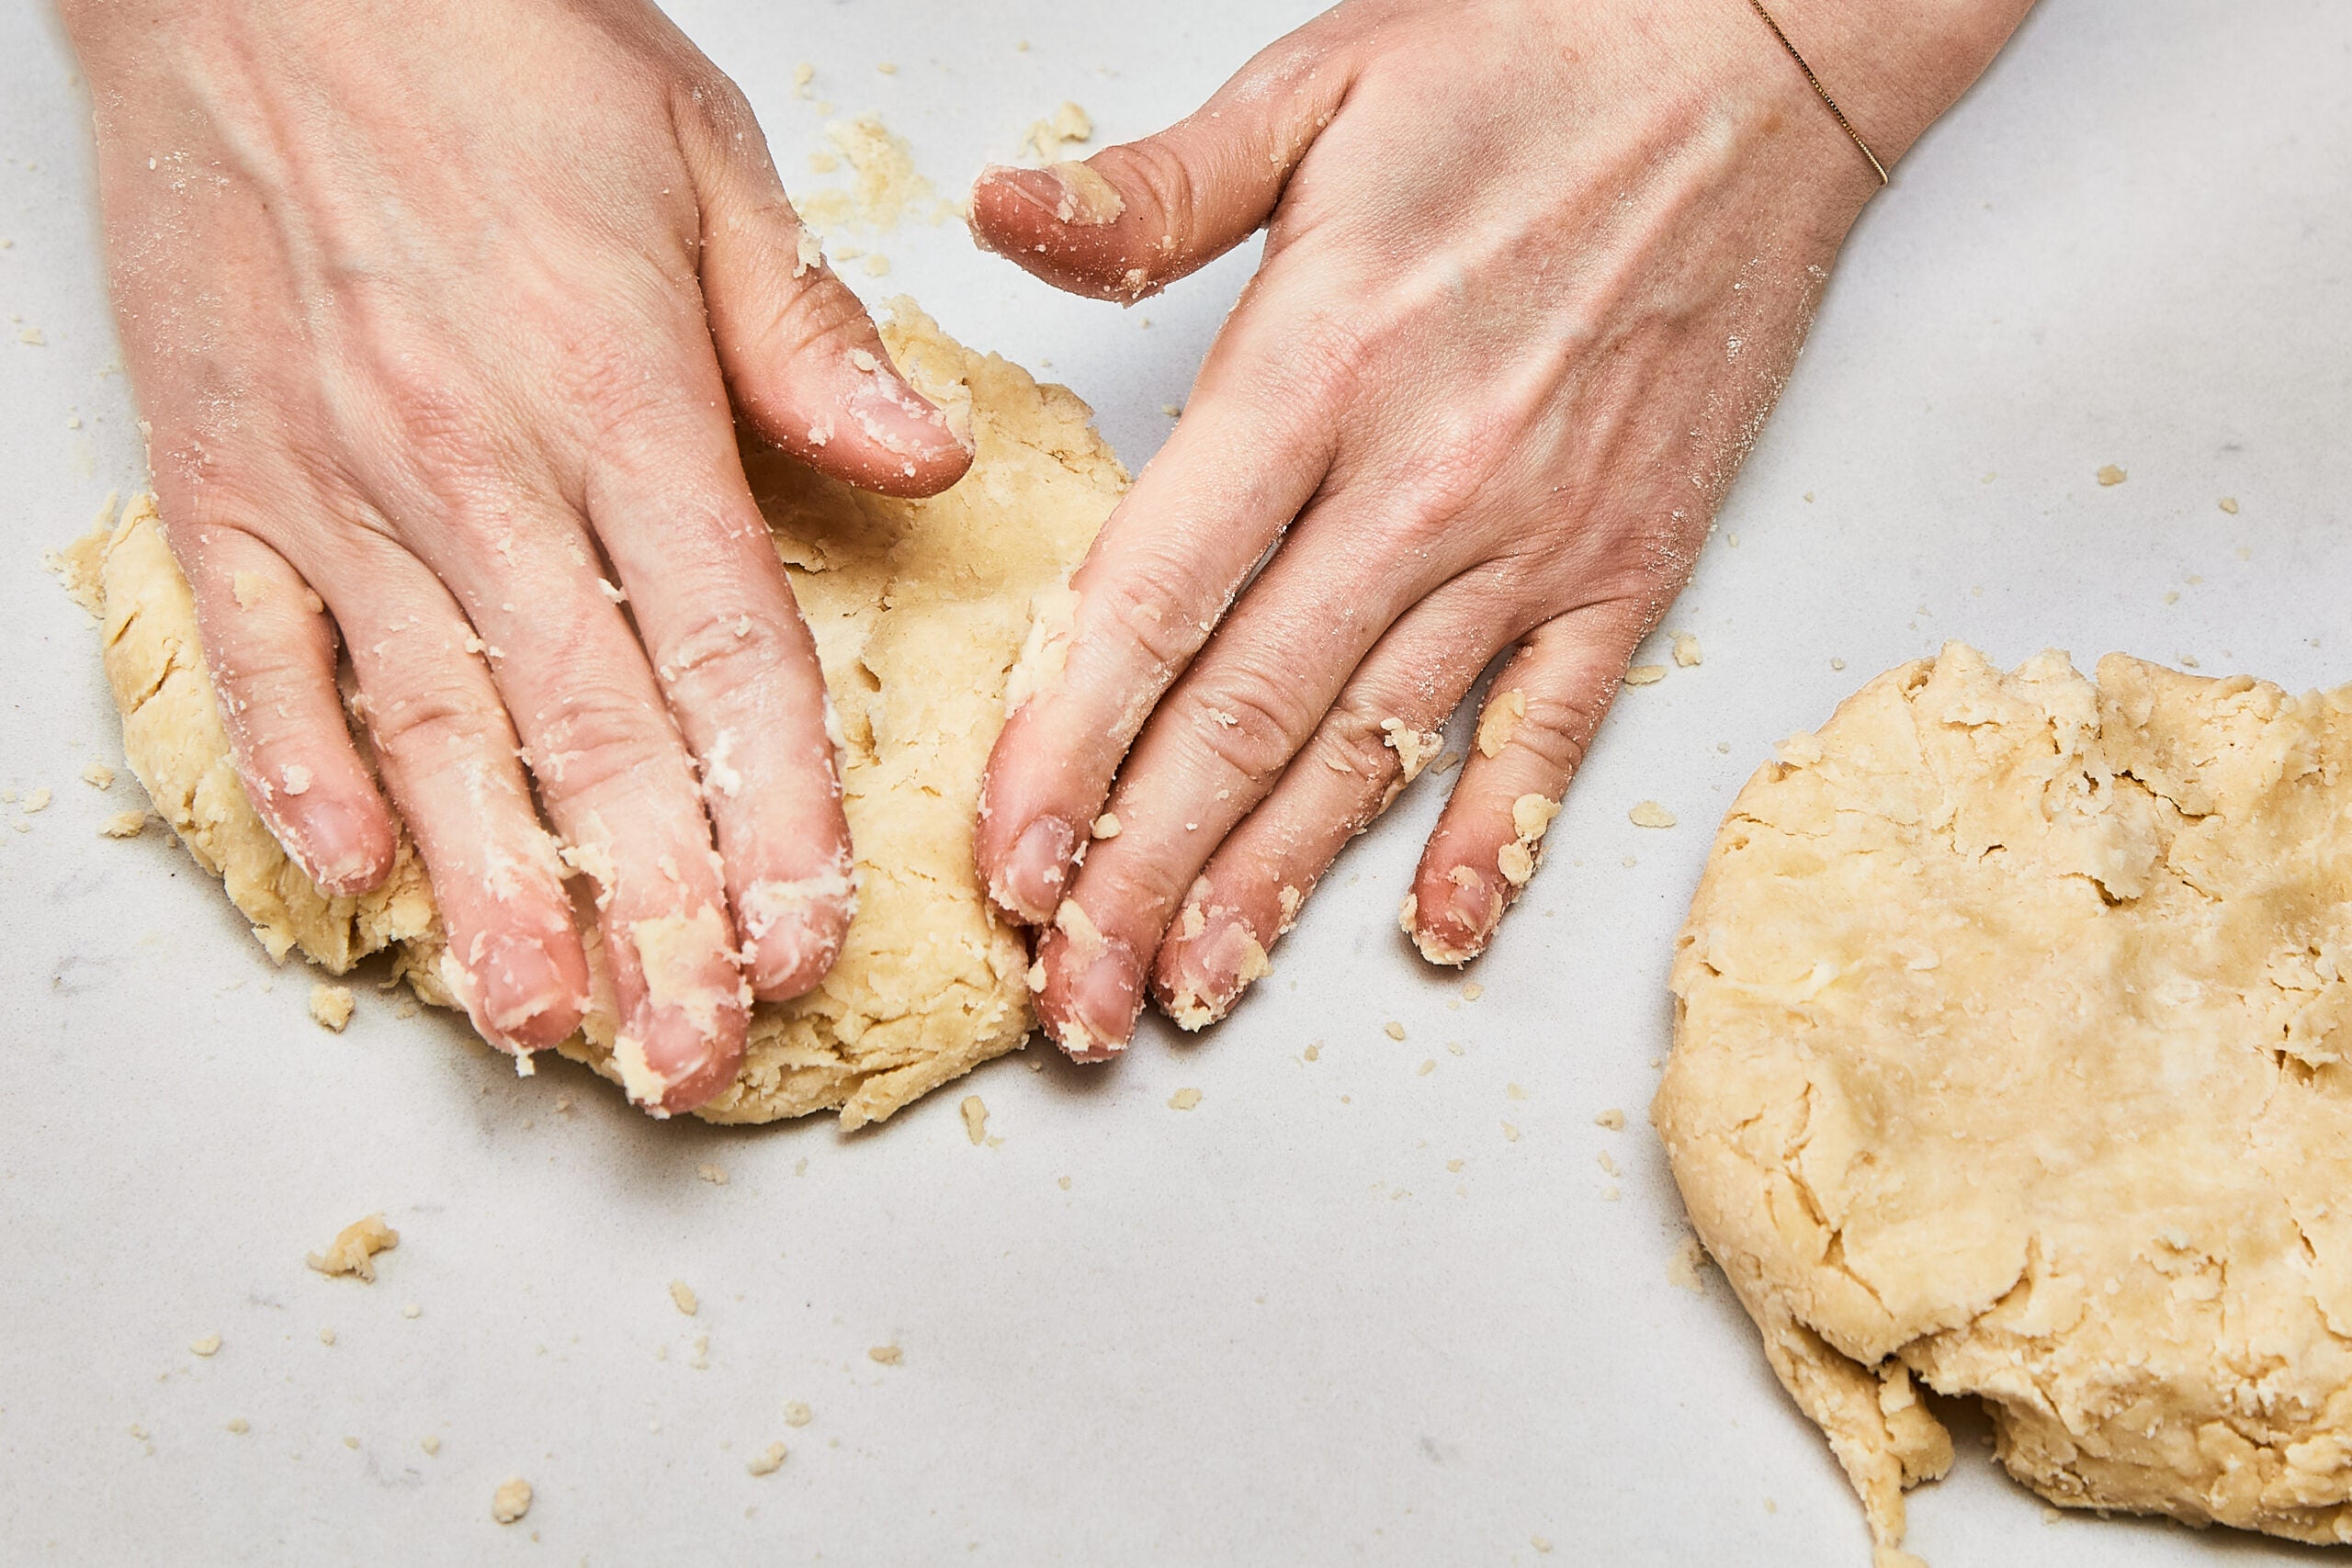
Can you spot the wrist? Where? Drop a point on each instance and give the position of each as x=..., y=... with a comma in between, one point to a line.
x=1892, y=69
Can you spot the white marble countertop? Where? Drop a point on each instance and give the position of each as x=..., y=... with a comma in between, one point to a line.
x=1274, y=1329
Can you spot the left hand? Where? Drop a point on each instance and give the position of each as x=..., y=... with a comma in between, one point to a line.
x=1535, y=271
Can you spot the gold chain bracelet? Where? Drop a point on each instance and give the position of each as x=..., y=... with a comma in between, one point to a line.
x=1823, y=93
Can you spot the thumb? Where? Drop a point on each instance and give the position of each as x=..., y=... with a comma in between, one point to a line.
x=1133, y=218
x=799, y=353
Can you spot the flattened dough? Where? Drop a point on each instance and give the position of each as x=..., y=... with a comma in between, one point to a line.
x=920, y=610
x=2010, y=1057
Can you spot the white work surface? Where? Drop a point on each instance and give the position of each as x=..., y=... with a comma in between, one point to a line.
x=1278, y=1328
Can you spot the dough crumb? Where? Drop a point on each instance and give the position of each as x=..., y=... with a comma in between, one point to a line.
x=209, y=1344
x=326, y=1336
x=1645, y=674
x=1425, y=1067
x=798, y=1414
x=97, y=775
x=1682, y=1269
x=240, y=1425
x=768, y=1461
x=1686, y=650
x=123, y=825
x=410, y=1309
x=1394, y=1030
x=1414, y=748
x=1472, y=991
x=975, y=1119
x=1511, y=1132
x=682, y=1296
x=431, y=1446
x=1539, y=1543
x=714, y=1174
x=2230, y=504
x=510, y=1500
x=1500, y=721
x=1105, y=825
x=355, y=1247
x=1650, y=814
x=1048, y=137
x=1613, y=1119
x=886, y=1356
x=1184, y=1100
x=38, y=800
x=2109, y=474
x=1063, y=1183
x=331, y=1005
x=1313, y=1052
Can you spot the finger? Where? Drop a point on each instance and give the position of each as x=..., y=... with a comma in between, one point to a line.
x=1162, y=573
x=798, y=350
x=739, y=670
x=614, y=777
x=1218, y=741
x=1132, y=218
x=1381, y=734
x=1537, y=724
x=271, y=651
x=513, y=960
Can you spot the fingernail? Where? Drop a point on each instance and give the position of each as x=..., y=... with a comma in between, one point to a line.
x=1035, y=870
x=894, y=416
x=1069, y=193
x=1212, y=971
x=333, y=847
x=525, y=997
x=1473, y=903
x=797, y=952
x=1108, y=994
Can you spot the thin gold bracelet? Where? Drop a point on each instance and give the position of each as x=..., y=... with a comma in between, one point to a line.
x=1823, y=93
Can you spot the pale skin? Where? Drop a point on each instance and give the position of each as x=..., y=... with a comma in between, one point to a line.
x=436, y=342
x=439, y=346
x=1534, y=275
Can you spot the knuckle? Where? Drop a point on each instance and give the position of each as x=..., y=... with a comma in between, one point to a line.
x=722, y=653
x=1559, y=726
x=428, y=724
x=1148, y=601
x=1250, y=723
x=594, y=739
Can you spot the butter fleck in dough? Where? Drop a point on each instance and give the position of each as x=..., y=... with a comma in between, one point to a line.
x=920, y=610
x=2010, y=1058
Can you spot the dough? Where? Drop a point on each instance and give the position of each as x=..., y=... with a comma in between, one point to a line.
x=920, y=610
x=2011, y=1057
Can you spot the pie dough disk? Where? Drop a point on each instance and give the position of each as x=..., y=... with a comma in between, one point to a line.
x=2009, y=1056
x=920, y=610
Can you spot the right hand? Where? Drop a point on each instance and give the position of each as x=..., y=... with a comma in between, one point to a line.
x=434, y=312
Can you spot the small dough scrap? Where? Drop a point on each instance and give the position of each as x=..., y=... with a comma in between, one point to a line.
x=510, y=1500
x=2013, y=1057
x=1500, y=721
x=331, y=1005
x=1414, y=748
x=920, y=610
x=355, y=1247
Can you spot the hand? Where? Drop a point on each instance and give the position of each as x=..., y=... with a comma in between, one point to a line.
x=434, y=309
x=1534, y=272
